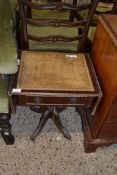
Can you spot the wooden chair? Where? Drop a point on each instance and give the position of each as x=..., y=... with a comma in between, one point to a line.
x=57, y=15
x=55, y=79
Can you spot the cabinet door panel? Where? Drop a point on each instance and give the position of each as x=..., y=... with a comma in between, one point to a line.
x=108, y=131
x=112, y=116
x=115, y=100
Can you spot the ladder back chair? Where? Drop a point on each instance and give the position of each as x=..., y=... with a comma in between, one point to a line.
x=55, y=79
x=30, y=26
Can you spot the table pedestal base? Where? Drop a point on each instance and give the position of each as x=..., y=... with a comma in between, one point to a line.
x=50, y=113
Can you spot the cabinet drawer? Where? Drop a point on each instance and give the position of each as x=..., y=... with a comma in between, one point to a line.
x=29, y=100
x=112, y=116
x=108, y=131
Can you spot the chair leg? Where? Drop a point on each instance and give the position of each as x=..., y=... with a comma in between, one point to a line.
x=5, y=129
x=41, y=124
x=57, y=120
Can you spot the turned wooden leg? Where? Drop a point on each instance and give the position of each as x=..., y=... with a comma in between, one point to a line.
x=5, y=128
x=57, y=120
x=41, y=124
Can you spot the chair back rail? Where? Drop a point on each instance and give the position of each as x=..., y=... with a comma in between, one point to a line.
x=26, y=6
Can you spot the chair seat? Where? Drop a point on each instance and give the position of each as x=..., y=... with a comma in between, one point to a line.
x=3, y=96
x=45, y=31
x=54, y=71
x=8, y=54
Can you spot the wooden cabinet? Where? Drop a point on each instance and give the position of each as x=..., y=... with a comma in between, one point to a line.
x=102, y=127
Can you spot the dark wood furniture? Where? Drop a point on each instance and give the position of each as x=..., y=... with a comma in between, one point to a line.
x=27, y=20
x=55, y=79
x=101, y=129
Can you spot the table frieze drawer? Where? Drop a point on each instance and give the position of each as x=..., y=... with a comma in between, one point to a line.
x=31, y=100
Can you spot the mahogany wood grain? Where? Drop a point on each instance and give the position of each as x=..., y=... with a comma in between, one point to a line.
x=103, y=125
x=104, y=57
x=115, y=100
x=108, y=131
x=112, y=115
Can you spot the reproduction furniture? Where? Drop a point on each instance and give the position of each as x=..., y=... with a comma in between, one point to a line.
x=54, y=79
x=8, y=65
x=101, y=129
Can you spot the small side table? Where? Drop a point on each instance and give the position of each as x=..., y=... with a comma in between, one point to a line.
x=51, y=80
